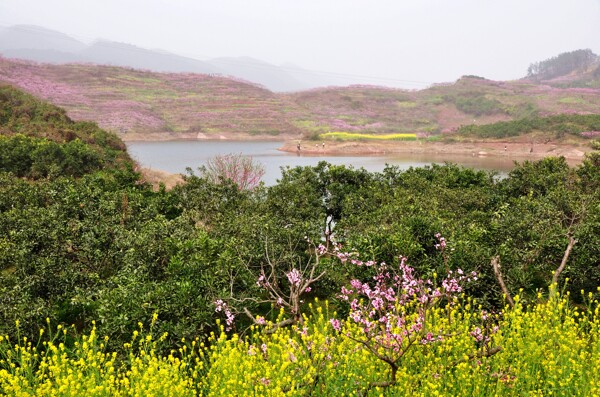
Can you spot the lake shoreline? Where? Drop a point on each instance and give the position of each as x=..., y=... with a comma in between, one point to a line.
x=157, y=167
x=513, y=150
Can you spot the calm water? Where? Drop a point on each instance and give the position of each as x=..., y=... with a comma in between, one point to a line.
x=175, y=156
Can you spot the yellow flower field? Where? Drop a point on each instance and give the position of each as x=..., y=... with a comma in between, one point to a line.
x=351, y=136
x=547, y=349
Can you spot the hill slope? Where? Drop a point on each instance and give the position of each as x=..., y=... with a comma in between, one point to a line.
x=148, y=105
x=38, y=140
x=132, y=102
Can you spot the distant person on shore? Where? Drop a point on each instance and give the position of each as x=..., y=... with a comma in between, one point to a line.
x=323, y=145
x=298, y=146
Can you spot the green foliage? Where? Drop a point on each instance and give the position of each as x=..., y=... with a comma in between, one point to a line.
x=40, y=158
x=39, y=140
x=476, y=104
x=559, y=125
x=104, y=247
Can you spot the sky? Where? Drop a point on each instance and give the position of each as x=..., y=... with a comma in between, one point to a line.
x=402, y=43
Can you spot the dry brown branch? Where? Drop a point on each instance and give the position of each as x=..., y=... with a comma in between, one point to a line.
x=565, y=258
x=498, y=273
x=479, y=354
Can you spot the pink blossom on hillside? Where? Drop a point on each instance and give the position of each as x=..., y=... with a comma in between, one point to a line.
x=590, y=134
x=59, y=93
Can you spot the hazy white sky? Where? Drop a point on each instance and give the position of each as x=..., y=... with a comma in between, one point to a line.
x=395, y=41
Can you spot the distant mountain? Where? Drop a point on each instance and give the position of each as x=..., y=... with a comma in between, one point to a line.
x=29, y=37
x=268, y=75
x=120, y=54
x=49, y=56
x=45, y=45
x=313, y=79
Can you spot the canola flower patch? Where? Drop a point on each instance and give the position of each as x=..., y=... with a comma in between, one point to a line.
x=351, y=136
x=550, y=348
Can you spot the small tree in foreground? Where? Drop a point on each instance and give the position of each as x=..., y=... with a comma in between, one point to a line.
x=393, y=310
x=242, y=170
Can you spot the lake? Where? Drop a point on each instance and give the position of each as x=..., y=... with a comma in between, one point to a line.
x=175, y=156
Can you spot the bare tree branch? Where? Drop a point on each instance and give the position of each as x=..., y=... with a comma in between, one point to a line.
x=284, y=323
x=498, y=273
x=479, y=354
x=563, y=263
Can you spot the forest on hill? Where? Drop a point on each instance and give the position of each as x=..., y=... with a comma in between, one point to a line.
x=573, y=62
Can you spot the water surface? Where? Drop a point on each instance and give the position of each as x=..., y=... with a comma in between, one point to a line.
x=175, y=156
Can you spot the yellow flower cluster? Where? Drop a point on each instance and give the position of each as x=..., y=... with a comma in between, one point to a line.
x=349, y=136
x=85, y=369
x=550, y=348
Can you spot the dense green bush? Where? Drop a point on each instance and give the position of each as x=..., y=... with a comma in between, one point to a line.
x=48, y=129
x=476, y=104
x=39, y=158
x=559, y=125
x=105, y=247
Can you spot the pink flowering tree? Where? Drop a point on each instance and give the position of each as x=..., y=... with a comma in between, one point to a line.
x=242, y=170
x=392, y=310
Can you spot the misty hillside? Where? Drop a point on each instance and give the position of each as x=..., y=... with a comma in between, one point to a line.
x=44, y=45
x=254, y=70
x=148, y=105
x=37, y=38
x=118, y=54
x=579, y=68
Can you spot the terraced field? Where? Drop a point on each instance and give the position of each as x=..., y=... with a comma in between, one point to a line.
x=139, y=104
